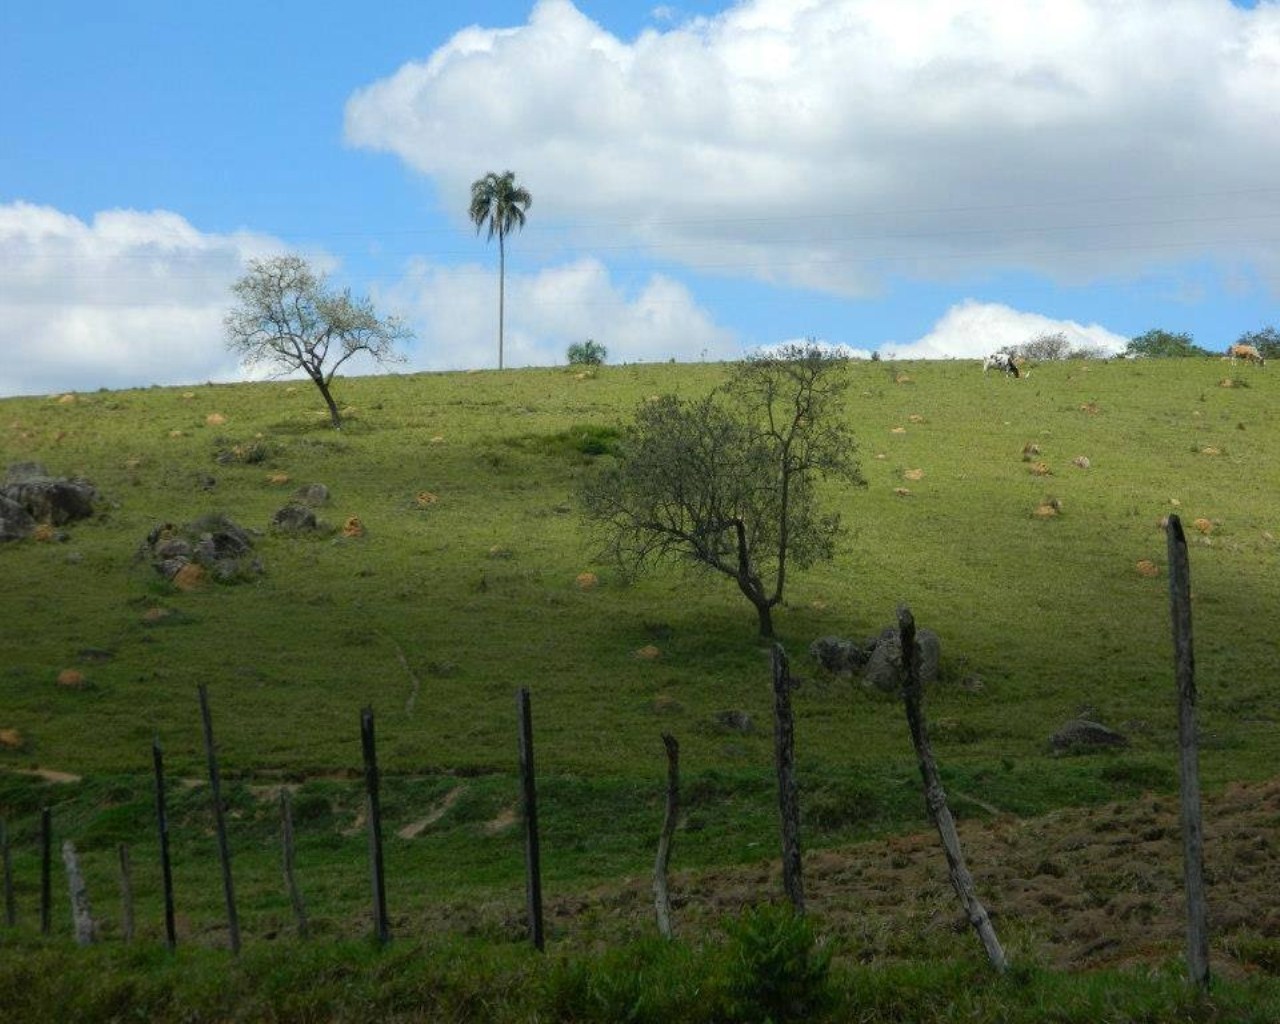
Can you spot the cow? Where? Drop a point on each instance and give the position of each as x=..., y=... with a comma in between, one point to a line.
x=1002, y=361
x=1248, y=353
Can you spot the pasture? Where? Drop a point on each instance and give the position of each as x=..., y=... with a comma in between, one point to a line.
x=1011, y=515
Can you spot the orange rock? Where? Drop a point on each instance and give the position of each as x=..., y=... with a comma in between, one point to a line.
x=156, y=614
x=71, y=679
x=175, y=433
x=424, y=498
x=353, y=527
x=215, y=419
x=586, y=580
x=901, y=492
x=190, y=577
x=1203, y=525
x=1081, y=461
x=915, y=417
x=1039, y=469
x=1045, y=511
x=648, y=653
x=1147, y=568
x=913, y=474
x=898, y=430
x=1210, y=450
x=42, y=532
x=10, y=739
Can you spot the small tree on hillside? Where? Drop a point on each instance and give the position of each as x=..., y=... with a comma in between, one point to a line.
x=287, y=319
x=587, y=353
x=1266, y=341
x=728, y=482
x=1160, y=344
x=1044, y=348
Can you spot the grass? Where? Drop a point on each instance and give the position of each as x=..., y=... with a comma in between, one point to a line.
x=440, y=612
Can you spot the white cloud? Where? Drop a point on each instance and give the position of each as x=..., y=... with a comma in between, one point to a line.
x=130, y=299
x=454, y=311
x=834, y=143
x=971, y=330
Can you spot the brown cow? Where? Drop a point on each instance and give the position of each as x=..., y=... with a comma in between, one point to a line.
x=1246, y=352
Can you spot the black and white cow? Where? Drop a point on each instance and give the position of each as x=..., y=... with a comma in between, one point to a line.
x=1000, y=361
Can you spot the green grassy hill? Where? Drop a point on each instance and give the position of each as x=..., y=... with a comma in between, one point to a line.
x=443, y=608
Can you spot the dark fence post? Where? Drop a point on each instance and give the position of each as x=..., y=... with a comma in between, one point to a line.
x=661, y=897
x=784, y=749
x=290, y=880
x=1188, y=757
x=126, y=893
x=224, y=850
x=46, y=869
x=162, y=828
x=935, y=797
x=529, y=807
x=10, y=907
x=381, y=929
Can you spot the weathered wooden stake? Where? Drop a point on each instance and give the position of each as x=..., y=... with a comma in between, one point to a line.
x=46, y=870
x=936, y=799
x=162, y=827
x=10, y=906
x=126, y=893
x=661, y=897
x=1188, y=757
x=81, y=913
x=381, y=928
x=224, y=849
x=290, y=880
x=529, y=809
x=784, y=752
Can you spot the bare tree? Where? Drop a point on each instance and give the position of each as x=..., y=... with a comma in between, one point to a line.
x=727, y=482
x=288, y=319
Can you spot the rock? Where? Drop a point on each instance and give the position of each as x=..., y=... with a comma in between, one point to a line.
x=294, y=518
x=71, y=679
x=211, y=546
x=312, y=494
x=11, y=739
x=1080, y=735
x=15, y=521
x=733, y=721
x=884, y=667
x=836, y=654
x=48, y=499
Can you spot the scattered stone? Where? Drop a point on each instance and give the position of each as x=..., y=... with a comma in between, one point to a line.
x=215, y=419
x=1203, y=525
x=278, y=479
x=1030, y=450
x=189, y=576
x=913, y=474
x=424, y=499
x=72, y=679
x=902, y=492
x=915, y=417
x=94, y=654
x=312, y=494
x=353, y=527
x=665, y=704
x=883, y=669
x=733, y=720
x=587, y=580
x=11, y=739
x=294, y=518
x=838, y=655
x=1039, y=469
x=1147, y=568
x=156, y=614
x=1081, y=462
x=1080, y=735
x=15, y=522
x=498, y=551
x=898, y=430
x=213, y=545
x=648, y=653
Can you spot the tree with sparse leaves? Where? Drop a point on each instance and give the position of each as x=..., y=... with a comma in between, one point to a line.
x=288, y=319
x=728, y=482
x=497, y=201
x=1161, y=344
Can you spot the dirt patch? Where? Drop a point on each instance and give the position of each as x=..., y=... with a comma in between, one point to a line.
x=438, y=811
x=47, y=774
x=506, y=818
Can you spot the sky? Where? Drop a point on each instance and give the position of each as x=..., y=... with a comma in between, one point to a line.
x=922, y=179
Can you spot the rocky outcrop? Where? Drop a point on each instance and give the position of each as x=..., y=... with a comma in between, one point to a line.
x=30, y=496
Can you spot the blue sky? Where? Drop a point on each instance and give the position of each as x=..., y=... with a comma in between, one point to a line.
x=932, y=178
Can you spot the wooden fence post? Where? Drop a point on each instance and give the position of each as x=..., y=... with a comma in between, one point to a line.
x=661, y=897
x=126, y=893
x=162, y=828
x=224, y=850
x=290, y=880
x=81, y=913
x=10, y=906
x=784, y=750
x=936, y=798
x=1188, y=758
x=46, y=869
x=529, y=809
x=381, y=928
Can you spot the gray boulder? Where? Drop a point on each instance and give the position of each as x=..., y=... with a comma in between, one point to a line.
x=884, y=667
x=216, y=543
x=15, y=521
x=733, y=720
x=1080, y=735
x=838, y=655
x=48, y=499
x=312, y=494
x=294, y=518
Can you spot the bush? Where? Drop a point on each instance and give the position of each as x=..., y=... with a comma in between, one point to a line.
x=776, y=972
x=1162, y=344
x=587, y=353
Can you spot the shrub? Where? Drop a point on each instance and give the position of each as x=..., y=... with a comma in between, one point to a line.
x=776, y=971
x=587, y=353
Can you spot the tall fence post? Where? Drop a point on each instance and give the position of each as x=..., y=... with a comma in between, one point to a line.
x=287, y=851
x=126, y=893
x=224, y=849
x=529, y=808
x=1188, y=757
x=381, y=928
x=784, y=750
x=81, y=912
x=936, y=798
x=10, y=906
x=162, y=828
x=46, y=870
x=661, y=897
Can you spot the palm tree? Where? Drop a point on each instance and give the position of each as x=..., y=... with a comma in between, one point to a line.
x=498, y=201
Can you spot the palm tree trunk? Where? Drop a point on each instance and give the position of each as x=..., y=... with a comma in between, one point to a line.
x=502, y=280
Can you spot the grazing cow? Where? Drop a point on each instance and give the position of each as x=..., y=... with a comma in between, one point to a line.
x=1000, y=361
x=1246, y=352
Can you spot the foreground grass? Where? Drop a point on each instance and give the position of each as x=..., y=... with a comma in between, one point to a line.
x=767, y=967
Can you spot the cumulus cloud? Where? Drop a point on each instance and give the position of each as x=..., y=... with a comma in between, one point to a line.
x=454, y=311
x=832, y=144
x=129, y=299
x=971, y=330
